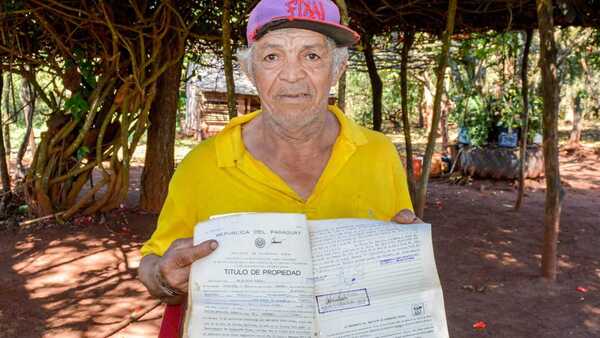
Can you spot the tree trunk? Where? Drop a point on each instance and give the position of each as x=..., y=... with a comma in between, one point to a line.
x=422, y=107
x=578, y=110
x=376, y=85
x=409, y=38
x=7, y=143
x=7, y=109
x=524, y=118
x=159, y=163
x=437, y=103
x=228, y=59
x=444, y=124
x=428, y=100
x=3, y=165
x=578, y=117
x=550, y=88
x=28, y=96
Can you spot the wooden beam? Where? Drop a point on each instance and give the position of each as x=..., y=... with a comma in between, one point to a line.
x=524, y=118
x=3, y=165
x=376, y=84
x=228, y=59
x=409, y=39
x=550, y=87
x=341, y=92
x=437, y=102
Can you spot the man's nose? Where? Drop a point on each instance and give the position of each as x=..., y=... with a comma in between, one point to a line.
x=292, y=71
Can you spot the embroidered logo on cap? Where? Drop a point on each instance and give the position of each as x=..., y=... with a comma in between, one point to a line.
x=313, y=9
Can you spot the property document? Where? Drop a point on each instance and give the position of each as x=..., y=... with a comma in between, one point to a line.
x=376, y=279
x=279, y=275
x=258, y=283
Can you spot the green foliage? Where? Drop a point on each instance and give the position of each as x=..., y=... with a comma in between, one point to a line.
x=82, y=152
x=471, y=112
x=76, y=105
x=358, y=96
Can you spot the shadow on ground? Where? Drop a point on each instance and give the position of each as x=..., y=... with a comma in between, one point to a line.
x=76, y=279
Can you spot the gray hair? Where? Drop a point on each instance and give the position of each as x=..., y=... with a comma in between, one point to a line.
x=339, y=56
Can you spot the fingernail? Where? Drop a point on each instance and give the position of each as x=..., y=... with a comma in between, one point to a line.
x=214, y=245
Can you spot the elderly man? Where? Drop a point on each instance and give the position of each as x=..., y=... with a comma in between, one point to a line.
x=296, y=155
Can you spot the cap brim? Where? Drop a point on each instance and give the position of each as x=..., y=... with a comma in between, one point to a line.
x=342, y=35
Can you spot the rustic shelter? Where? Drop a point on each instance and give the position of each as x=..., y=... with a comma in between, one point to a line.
x=206, y=99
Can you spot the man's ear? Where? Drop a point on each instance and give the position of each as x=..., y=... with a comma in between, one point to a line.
x=341, y=69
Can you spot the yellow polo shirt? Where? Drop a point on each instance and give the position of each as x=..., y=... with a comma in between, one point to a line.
x=363, y=179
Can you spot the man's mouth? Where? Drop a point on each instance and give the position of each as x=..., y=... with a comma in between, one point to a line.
x=295, y=96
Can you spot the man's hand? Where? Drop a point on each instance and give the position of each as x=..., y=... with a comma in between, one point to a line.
x=406, y=216
x=167, y=277
x=174, y=267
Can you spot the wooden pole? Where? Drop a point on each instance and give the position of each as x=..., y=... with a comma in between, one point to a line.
x=435, y=120
x=29, y=94
x=342, y=82
x=228, y=59
x=409, y=39
x=524, y=118
x=134, y=317
x=342, y=92
x=376, y=85
x=3, y=164
x=550, y=87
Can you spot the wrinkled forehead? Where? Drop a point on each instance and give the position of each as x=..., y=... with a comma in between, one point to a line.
x=292, y=38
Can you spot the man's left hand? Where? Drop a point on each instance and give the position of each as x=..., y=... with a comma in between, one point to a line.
x=406, y=216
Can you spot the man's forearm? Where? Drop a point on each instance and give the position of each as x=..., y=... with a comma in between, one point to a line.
x=147, y=273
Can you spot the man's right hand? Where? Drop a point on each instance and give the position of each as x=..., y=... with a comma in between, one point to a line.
x=167, y=277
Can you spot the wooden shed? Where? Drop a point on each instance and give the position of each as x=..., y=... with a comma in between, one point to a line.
x=206, y=99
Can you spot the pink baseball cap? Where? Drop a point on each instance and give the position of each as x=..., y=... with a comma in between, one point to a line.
x=321, y=16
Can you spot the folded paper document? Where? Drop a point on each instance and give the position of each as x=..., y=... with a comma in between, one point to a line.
x=279, y=275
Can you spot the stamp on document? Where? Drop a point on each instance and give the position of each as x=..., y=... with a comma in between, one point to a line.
x=344, y=300
x=418, y=309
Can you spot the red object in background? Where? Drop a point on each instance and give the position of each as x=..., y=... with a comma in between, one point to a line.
x=170, y=327
x=417, y=167
x=582, y=289
x=480, y=325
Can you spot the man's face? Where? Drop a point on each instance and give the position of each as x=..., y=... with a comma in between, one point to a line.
x=293, y=75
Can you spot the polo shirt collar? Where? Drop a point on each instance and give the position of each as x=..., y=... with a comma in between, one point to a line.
x=230, y=145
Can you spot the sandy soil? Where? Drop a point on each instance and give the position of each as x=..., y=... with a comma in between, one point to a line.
x=79, y=279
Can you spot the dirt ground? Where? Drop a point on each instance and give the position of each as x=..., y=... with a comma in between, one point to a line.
x=79, y=279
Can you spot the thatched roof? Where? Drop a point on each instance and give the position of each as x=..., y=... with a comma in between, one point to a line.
x=377, y=16
x=212, y=79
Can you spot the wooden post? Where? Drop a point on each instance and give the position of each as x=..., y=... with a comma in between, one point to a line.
x=3, y=165
x=342, y=92
x=376, y=85
x=342, y=82
x=524, y=118
x=435, y=120
x=29, y=94
x=409, y=39
x=9, y=111
x=550, y=87
x=228, y=59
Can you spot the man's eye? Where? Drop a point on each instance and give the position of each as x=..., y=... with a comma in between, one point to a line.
x=313, y=57
x=270, y=58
